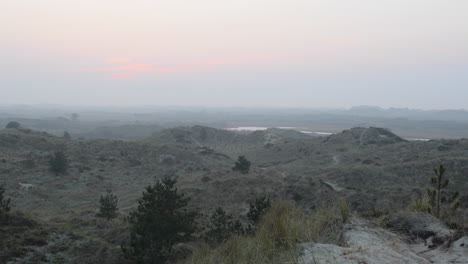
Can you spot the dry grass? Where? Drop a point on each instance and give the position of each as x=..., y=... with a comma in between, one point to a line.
x=420, y=205
x=277, y=237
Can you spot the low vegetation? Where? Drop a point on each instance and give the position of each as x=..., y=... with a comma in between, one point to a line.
x=360, y=166
x=277, y=237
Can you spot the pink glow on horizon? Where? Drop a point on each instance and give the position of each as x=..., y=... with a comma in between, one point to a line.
x=131, y=70
x=119, y=60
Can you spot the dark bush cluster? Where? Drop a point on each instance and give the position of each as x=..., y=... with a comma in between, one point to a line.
x=108, y=205
x=4, y=204
x=242, y=165
x=58, y=163
x=222, y=226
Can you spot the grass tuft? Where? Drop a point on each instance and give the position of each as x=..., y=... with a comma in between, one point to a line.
x=277, y=237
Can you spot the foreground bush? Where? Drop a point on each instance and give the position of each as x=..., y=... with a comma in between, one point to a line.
x=277, y=237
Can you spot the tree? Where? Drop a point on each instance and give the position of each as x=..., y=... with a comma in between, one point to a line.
x=437, y=197
x=108, y=205
x=58, y=163
x=161, y=220
x=258, y=208
x=242, y=165
x=222, y=226
x=74, y=116
x=13, y=124
x=66, y=135
x=203, y=134
x=4, y=203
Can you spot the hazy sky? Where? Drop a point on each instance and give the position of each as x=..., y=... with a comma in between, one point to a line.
x=311, y=53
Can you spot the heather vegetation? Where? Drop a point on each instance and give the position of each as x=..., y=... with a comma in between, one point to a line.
x=176, y=197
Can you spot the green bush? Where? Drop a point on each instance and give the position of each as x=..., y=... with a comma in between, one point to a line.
x=108, y=206
x=58, y=163
x=257, y=209
x=242, y=165
x=161, y=220
x=222, y=226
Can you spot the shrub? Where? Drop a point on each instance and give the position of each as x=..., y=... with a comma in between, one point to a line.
x=222, y=226
x=257, y=209
x=66, y=135
x=343, y=206
x=420, y=205
x=203, y=134
x=13, y=124
x=4, y=204
x=108, y=205
x=242, y=165
x=277, y=237
x=58, y=163
x=161, y=220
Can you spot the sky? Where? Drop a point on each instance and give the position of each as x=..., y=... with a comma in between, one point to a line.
x=252, y=53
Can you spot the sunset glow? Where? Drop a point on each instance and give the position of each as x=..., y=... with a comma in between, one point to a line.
x=299, y=51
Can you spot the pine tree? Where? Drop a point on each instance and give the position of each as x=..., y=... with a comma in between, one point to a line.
x=222, y=226
x=437, y=197
x=58, y=163
x=258, y=208
x=66, y=135
x=242, y=165
x=108, y=205
x=161, y=220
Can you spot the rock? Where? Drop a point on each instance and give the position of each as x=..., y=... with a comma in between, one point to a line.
x=456, y=253
x=419, y=225
x=365, y=243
